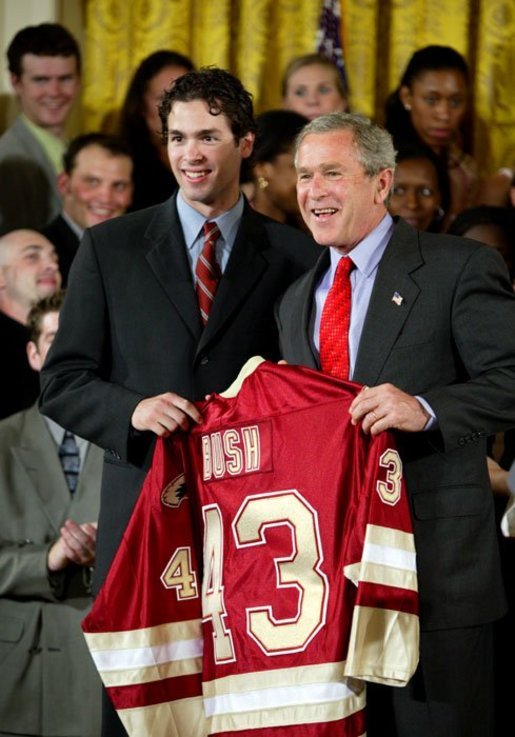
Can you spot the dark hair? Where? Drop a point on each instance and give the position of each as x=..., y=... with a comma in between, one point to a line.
x=499, y=217
x=309, y=60
x=276, y=131
x=408, y=151
x=481, y=215
x=47, y=39
x=223, y=93
x=39, y=309
x=431, y=58
x=132, y=117
x=427, y=59
x=112, y=144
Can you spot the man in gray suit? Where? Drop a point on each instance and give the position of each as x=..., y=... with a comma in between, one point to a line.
x=431, y=339
x=48, y=514
x=44, y=65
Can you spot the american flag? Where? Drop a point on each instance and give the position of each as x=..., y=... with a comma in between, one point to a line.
x=329, y=42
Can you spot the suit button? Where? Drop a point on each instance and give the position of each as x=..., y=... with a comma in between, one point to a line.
x=462, y=441
x=204, y=361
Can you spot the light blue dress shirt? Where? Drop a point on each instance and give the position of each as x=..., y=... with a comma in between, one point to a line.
x=192, y=222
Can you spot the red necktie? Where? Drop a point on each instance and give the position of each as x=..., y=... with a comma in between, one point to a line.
x=207, y=271
x=334, y=325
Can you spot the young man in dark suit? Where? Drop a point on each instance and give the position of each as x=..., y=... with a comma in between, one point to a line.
x=132, y=349
x=431, y=338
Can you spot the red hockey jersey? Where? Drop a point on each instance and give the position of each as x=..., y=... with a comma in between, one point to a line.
x=308, y=584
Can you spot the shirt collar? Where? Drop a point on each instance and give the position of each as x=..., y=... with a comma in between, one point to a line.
x=53, y=146
x=57, y=432
x=368, y=253
x=72, y=224
x=192, y=220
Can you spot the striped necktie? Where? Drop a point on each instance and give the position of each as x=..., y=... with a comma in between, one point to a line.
x=70, y=459
x=207, y=271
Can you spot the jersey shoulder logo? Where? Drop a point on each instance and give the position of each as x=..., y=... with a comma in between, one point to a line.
x=174, y=492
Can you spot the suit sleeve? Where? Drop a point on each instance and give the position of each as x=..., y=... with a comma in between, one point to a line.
x=483, y=320
x=76, y=390
x=23, y=571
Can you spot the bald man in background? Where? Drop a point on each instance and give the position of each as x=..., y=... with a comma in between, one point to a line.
x=29, y=271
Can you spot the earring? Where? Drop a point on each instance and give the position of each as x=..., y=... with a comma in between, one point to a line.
x=439, y=216
x=262, y=183
x=407, y=107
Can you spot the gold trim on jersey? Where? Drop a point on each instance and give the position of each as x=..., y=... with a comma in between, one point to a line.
x=388, y=558
x=160, y=634
x=182, y=718
x=383, y=646
x=147, y=674
x=246, y=370
x=307, y=694
x=148, y=654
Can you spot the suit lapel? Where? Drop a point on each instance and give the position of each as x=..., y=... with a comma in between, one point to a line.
x=37, y=454
x=304, y=294
x=386, y=315
x=168, y=260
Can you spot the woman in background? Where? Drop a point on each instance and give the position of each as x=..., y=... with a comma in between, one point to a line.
x=312, y=86
x=140, y=126
x=272, y=169
x=420, y=192
x=430, y=106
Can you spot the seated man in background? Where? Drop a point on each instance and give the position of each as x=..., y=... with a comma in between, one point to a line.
x=96, y=185
x=49, y=498
x=28, y=271
x=44, y=65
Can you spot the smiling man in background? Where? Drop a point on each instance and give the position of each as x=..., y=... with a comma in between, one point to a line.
x=44, y=64
x=96, y=185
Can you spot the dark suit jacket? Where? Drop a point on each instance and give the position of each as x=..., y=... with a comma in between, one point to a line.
x=451, y=341
x=20, y=382
x=130, y=328
x=48, y=683
x=66, y=243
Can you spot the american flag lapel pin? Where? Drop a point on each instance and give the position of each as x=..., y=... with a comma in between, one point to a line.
x=397, y=299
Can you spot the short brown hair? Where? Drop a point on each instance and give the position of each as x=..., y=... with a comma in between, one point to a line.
x=223, y=93
x=39, y=309
x=47, y=39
